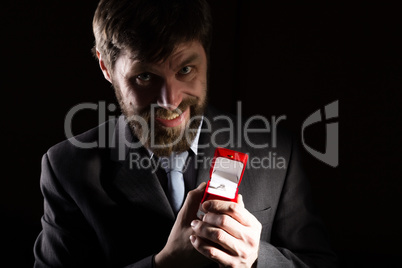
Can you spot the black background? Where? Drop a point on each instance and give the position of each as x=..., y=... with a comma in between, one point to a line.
x=277, y=60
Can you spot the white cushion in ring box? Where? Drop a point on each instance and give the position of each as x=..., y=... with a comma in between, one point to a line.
x=225, y=177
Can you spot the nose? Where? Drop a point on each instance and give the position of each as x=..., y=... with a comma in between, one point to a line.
x=170, y=95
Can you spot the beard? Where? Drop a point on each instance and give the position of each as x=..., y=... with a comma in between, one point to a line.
x=161, y=140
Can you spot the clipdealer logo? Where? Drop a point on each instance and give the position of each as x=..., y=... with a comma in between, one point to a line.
x=331, y=154
x=243, y=129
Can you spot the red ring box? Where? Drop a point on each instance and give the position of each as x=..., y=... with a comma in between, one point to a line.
x=226, y=173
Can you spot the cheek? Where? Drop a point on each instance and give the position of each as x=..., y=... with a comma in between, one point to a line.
x=197, y=85
x=136, y=99
x=200, y=88
x=128, y=96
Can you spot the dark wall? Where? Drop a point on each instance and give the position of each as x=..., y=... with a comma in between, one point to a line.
x=277, y=60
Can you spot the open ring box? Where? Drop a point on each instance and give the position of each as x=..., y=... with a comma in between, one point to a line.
x=226, y=172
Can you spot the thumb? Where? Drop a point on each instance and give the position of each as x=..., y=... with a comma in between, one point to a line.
x=192, y=201
x=201, y=186
x=240, y=200
x=196, y=194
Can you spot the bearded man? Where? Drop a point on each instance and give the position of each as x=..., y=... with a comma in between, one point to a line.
x=105, y=208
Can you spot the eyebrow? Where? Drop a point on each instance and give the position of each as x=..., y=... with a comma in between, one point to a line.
x=189, y=59
x=144, y=66
x=148, y=66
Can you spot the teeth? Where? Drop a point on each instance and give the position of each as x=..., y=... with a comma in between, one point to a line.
x=172, y=116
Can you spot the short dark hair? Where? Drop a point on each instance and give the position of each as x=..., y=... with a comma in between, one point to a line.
x=151, y=28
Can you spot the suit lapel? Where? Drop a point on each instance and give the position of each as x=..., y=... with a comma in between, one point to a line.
x=203, y=165
x=206, y=145
x=135, y=177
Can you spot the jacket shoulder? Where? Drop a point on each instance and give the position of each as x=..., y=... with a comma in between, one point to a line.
x=69, y=159
x=253, y=133
x=86, y=142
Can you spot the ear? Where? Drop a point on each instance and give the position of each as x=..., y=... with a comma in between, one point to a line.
x=103, y=67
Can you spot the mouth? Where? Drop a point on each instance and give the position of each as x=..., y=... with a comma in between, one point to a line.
x=174, y=119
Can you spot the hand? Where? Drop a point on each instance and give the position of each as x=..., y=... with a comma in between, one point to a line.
x=228, y=233
x=178, y=251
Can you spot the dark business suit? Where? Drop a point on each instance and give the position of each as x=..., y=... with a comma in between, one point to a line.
x=104, y=212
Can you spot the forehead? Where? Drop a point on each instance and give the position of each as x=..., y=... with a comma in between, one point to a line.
x=182, y=54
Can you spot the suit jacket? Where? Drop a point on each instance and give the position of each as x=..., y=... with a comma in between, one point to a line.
x=102, y=209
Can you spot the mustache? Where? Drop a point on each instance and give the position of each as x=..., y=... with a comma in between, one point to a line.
x=163, y=112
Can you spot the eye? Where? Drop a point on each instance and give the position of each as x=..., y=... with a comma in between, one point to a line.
x=145, y=77
x=185, y=70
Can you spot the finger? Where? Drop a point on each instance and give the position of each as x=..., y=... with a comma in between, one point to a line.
x=243, y=235
x=234, y=210
x=225, y=222
x=215, y=235
x=210, y=251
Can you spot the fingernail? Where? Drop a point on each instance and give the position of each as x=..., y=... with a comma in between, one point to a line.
x=194, y=223
x=192, y=238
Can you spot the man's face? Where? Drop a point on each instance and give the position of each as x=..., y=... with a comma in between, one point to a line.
x=170, y=96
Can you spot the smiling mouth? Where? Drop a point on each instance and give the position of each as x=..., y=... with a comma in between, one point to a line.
x=172, y=116
x=173, y=119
